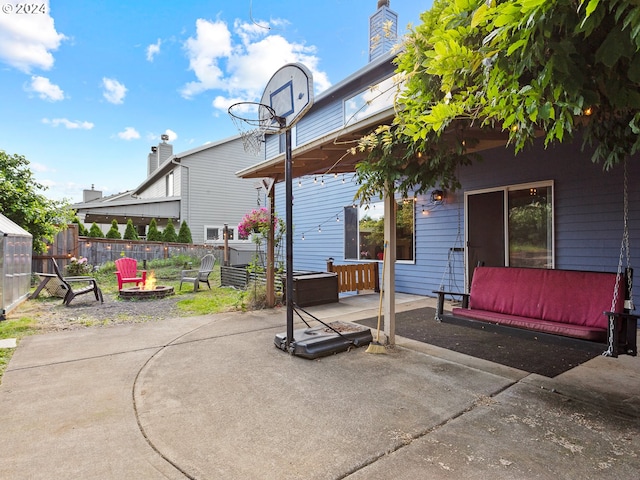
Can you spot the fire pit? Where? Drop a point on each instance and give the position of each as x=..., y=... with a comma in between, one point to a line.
x=137, y=293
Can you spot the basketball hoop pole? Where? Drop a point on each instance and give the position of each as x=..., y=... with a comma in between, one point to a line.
x=289, y=240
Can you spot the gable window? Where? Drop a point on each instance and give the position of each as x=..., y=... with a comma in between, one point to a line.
x=364, y=231
x=372, y=100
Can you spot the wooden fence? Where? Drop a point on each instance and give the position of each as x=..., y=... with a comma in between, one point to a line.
x=356, y=276
x=98, y=251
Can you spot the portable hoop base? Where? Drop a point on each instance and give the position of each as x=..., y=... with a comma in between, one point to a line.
x=320, y=341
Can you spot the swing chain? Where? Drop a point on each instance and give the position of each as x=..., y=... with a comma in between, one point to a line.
x=625, y=253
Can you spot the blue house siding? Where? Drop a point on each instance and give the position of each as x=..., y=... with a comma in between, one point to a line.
x=317, y=207
x=588, y=215
x=318, y=122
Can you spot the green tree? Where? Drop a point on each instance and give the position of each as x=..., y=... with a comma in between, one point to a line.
x=154, y=235
x=82, y=230
x=113, y=231
x=95, y=231
x=184, y=235
x=514, y=69
x=130, y=231
x=22, y=202
x=169, y=234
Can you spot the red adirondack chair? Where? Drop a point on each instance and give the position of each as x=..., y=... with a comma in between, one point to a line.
x=127, y=272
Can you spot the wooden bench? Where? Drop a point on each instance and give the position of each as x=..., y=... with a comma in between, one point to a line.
x=355, y=277
x=568, y=303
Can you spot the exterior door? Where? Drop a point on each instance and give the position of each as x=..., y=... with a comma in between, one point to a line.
x=485, y=231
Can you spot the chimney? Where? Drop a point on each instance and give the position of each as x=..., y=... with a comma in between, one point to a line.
x=152, y=162
x=165, y=150
x=383, y=30
x=159, y=154
x=90, y=195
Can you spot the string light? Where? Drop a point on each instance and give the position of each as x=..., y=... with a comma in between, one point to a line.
x=322, y=181
x=319, y=228
x=315, y=179
x=299, y=182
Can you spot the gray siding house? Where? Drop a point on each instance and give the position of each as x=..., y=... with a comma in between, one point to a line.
x=198, y=186
x=545, y=207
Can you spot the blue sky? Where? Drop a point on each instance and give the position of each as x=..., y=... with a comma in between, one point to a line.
x=87, y=87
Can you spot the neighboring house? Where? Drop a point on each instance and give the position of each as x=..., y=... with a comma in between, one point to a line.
x=550, y=208
x=198, y=186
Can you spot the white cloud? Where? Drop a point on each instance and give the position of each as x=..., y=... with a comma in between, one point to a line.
x=45, y=89
x=153, y=50
x=240, y=63
x=40, y=168
x=172, y=135
x=114, y=91
x=26, y=41
x=71, y=125
x=212, y=42
x=129, y=133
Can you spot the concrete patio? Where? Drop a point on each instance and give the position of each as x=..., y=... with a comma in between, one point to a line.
x=211, y=397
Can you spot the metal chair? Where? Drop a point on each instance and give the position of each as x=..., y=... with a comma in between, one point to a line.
x=200, y=275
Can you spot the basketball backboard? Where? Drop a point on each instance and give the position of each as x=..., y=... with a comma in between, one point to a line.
x=289, y=93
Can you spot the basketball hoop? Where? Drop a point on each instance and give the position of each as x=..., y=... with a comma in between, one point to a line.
x=254, y=120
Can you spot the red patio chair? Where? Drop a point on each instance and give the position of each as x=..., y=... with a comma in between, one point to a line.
x=127, y=272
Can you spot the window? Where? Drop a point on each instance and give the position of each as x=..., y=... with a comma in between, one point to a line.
x=169, y=184
x=364, y=231
x=214, y=234
x=372, y=100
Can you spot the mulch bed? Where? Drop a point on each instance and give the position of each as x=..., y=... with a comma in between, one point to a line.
x=531, y=353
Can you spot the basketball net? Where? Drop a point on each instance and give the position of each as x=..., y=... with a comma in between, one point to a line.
x=253, y=121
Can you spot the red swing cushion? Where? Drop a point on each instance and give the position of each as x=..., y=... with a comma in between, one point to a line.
x=563, y=302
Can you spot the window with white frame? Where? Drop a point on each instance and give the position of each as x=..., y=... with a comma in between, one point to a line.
x=215, y=234
x=364, y=231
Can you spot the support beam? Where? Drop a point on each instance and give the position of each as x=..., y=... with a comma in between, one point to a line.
x=389, y=293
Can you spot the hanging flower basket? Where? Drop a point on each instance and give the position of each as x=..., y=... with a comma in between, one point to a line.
x=256, y=221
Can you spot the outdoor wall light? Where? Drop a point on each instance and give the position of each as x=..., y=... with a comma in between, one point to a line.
x=437, y=196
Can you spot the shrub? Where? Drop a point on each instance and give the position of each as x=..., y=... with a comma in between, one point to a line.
x=113, y=231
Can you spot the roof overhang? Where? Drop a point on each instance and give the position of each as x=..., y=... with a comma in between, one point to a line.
x=330, y=153
x=140, y=213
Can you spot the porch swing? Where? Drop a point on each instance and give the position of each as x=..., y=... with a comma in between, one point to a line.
x=554, y=304
x=622, y=326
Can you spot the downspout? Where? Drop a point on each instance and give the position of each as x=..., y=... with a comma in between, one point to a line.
x=176, y=161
